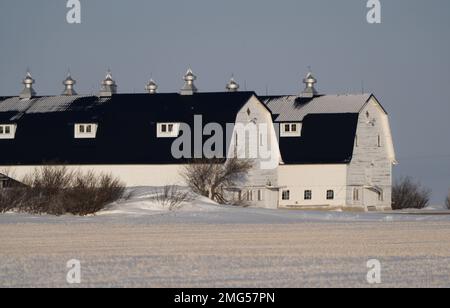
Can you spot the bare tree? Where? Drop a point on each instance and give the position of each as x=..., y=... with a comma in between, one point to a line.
x=407, y=194
x=212, y=178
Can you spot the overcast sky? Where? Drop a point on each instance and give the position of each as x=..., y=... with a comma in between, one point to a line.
x=265, y=44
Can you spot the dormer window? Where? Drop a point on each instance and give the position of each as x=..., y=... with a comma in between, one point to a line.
x=291, y=129
x=168, y=130
x=86, y=131
x=8, y=131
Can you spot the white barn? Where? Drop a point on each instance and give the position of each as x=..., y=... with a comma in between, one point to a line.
x=323, y=151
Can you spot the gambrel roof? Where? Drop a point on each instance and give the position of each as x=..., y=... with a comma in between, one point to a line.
x=127, y=126
x=128, y=123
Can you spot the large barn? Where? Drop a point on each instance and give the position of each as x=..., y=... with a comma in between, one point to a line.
x=321, y=151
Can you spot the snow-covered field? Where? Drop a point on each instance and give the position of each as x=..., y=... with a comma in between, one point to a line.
x=136, y=243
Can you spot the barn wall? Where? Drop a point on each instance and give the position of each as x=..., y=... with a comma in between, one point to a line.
x=370, y=171
x=264, y=172
x=318, y=179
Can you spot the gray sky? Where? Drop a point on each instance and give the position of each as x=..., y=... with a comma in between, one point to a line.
x=404, y=61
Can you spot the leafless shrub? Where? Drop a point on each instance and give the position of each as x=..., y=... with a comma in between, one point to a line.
x=447, y=202
x=212, y=178
x=171, y=197
x=57, y=191
x=407, y=194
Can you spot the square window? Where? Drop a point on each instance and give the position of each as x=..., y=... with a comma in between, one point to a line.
x=1, y=129
x=308, y=195
x=168, y=130
x=330, y=195
x=85, y=131
x=290, y=129
x=7, y=130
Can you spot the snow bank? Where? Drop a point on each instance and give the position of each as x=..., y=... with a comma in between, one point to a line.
x=141, y=201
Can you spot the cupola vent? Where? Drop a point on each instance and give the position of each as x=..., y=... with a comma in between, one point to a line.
x=189, y=87
x=109, y=86
x=69, y=83
x=151, y=87
x=28, y=92
x=310, y=90
x=232, y=85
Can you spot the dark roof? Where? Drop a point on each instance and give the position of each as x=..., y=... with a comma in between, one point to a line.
x=326, y=139
x=127, y=130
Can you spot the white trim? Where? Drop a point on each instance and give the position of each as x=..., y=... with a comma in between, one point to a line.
x=8, y=131
x=85, y=130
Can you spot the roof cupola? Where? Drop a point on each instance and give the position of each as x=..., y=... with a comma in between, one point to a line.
x=189, y=87
x=28, y=92
x=151, y=87
x=109, y=86
x=69, y=83
x=310, y=90
x=232, y=85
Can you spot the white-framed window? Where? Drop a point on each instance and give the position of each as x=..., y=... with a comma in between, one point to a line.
x=86, y=130
x=250, y=195
x=286, y=195
x=168, y=130
x=291, y=129
x=8, y=131
x=260, y=195
x=330, y=194
x=355, y=194
x=308, y=195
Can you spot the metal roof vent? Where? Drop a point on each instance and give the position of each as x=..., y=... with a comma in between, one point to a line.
x=151, y=87
x=189, y=88
x=109, y=86
x=28, y=92
x=310, y=90
x=232, y=85
x=69, y=83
